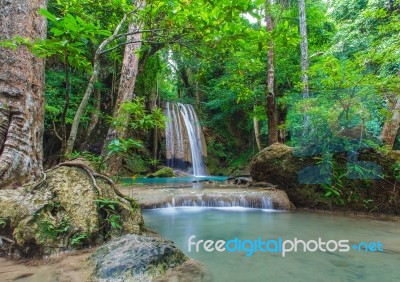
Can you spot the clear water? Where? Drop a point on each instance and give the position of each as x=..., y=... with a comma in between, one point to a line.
x=178, y=224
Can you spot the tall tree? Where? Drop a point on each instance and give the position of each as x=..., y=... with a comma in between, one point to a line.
x=304, y=59
x=89, y=89
x=271, y=109
x=392, y=124
x=129, y=72
x=21, y=94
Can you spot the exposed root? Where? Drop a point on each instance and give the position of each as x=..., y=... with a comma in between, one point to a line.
x=92, y=174
x=86, y=168
x=35, y=186
x=2, y=238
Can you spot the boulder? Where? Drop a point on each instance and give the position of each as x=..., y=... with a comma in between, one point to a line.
x=136, y=258
x=163, y=172
x=72, y=207
x=362, y=181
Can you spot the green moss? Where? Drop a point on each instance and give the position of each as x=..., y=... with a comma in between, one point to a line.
x=163, y=172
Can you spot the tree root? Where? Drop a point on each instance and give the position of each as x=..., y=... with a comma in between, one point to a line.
x=2, y=238
x=92, y=174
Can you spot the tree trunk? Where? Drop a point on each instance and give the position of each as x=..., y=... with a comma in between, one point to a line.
x=66, y=106
x=257, y=133
x=304, y=60
x=391, y=126
x=93, y=79
x=21, y=95
x=94, y=118
x=127, y=82
x=271, y=108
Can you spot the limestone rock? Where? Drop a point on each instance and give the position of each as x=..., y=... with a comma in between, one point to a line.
x=66, y=211
x=135, y=258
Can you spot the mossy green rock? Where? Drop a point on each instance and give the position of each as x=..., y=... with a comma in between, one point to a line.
x=46, y=219
x=163, y=172
x=280, y=165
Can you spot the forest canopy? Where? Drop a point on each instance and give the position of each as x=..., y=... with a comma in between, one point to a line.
x=319, y=73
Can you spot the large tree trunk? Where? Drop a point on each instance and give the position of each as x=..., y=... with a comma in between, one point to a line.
x=271, y=108
x=21, y=94
x=304, y=60
x=129, y=72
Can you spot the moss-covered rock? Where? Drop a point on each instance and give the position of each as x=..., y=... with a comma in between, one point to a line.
x=73, y=208
x=365, y=183
x=163, y=172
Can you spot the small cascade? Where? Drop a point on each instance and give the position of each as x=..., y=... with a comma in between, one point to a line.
x=185, y=145
x=245, y=201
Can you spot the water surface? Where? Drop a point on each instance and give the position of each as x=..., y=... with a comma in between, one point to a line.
x=178, y=224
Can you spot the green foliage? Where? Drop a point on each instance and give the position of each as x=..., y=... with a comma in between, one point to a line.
x=52, y=229
x=134, y=115
x=55, y=97
x=69, y=35
x=2, y=222
x=78, y=239
x=96, y=161
x=122, y=146
x=137, y=164
x=111, y=220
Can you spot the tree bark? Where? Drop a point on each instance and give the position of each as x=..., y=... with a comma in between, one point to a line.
x=271, y=108
x=304, y=60
x=21, y=94
x=391, y=126
x=66, y=106
x=257, y=133
x=129, y=72
x=94, y=118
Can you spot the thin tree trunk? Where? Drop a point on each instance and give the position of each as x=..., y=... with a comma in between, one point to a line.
x=154, y=99
x=391, y=126
x=271, y=109
x=257, y=133
x=66, y=106
x=304, y=60
x=129, y=72
x=94, y=119
x=21, y=95
x=89, y=89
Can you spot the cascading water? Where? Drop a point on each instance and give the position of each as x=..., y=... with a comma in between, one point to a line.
x=185, y=146
x=246, y=201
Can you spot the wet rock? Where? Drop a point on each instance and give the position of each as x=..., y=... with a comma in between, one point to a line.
x=136, y=258
x=267, y=198
x=242, y=180
x=239, y=180
x=264, y=185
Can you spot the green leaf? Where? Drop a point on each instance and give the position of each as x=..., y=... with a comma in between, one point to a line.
x=48, y=15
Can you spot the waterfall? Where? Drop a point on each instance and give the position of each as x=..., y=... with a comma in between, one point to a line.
x=246, y=201
x=185, y=145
